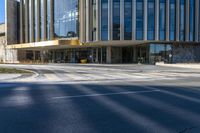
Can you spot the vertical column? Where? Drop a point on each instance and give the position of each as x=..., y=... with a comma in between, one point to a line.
x=38, y=21
x=51, y=19
x=108, y=55
x=187, y=20
x=156, y=20
x=87, y=20
x=45, y=20
x=21, y=22
x=167, y=19
x=145, y=20
x=99, y=1
x=177, y=19
x=121, y=19
x=26, y=21
x=197, y=19
x=97, y=20
x=110, y=20
x=82, y=21
x=32, y=21
x=134, y=20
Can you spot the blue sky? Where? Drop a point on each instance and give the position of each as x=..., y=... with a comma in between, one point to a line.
x=2, y=11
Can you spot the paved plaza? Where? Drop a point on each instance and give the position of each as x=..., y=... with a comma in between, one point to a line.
x=72, y=98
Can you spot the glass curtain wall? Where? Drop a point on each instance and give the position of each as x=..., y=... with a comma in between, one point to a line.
x=172, y=17
x=139, y=19
x=162, y=18
x=104, y=20
x=182, y=20
x=151, y=20
x=127, y=19
x=65, y=18
x=116, y=19
x=192, y=12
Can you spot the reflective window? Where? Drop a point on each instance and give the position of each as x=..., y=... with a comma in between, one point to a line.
x=151, y=20
x=172, y=18
x=162, y=18
x=127, y=19
x=116, y=19
x=192, y=10
x=30, y=21
x=104, y=20
x=66, y=18
x=182, y=20
x=139, y=19
x=199, y=22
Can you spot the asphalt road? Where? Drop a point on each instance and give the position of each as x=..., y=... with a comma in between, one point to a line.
x=101, y=99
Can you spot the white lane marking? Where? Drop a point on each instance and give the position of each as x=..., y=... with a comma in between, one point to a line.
x=105, y=94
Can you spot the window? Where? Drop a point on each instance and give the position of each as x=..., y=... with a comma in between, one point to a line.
x=192, y=12
x=42, y=20
x=182, y=20
x=104, y=20
x=116, y=19
x=151, y=20
x=66, y=18
x=162, y=18
x=172, y=20
x=139, y=19
x=127, y=19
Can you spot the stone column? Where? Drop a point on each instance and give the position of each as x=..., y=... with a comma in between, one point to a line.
x=45, y=20
x=26, y=21
x=177, y=19
x=82, y=21
x=38, y=30
x=21, y=22
x=187, y=20
x=108, y=55
x=32, y=21
x=97, y=20
x=110, y=22
x=156, y=20
x=145, y=20
x=167, y=19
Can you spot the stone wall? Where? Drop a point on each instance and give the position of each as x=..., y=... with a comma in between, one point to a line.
x=186, y=53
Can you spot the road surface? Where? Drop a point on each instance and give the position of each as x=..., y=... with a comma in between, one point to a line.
x=100, y=99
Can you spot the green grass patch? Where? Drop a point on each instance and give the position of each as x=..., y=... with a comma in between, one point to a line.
x=12, y=70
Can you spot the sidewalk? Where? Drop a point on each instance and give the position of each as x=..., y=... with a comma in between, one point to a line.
x=180, y=65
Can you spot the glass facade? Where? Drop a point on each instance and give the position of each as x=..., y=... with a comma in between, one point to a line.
x=172, y=19
x=65, y=18
x=162, y=20
x=139, y=19
x=151, y=20
x=192, y=20
x=104, y=20
x=116, y=19
x=127, y=19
